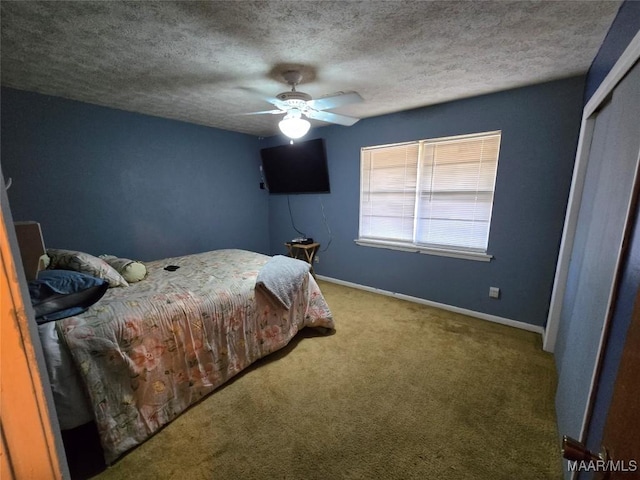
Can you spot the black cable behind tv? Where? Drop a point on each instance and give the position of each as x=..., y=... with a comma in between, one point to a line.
x=296, y=168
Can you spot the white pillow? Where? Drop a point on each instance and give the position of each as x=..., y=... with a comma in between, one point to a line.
x=43, y=262
x=130, y=270
x=85, y=263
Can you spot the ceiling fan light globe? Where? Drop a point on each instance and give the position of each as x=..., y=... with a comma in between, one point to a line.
x=294, y=127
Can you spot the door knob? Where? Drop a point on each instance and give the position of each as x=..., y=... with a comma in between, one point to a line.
x=576, y=451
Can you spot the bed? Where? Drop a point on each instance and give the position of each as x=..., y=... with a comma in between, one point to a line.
x=144, y=353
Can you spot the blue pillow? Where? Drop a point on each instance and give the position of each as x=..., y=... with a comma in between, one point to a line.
x=57, y=294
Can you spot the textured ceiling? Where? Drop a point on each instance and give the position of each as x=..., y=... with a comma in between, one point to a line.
x=206, y=62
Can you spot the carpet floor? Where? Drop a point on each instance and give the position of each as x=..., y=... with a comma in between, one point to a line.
x=399, y=391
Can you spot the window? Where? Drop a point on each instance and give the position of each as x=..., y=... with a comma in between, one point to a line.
x=433, y=196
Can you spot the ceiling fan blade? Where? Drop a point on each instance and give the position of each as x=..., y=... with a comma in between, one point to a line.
x=334, y=101
x=278, y=103
x=331, y=117
x=273, y=112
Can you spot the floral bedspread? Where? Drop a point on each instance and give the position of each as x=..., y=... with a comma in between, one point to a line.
x=148, y=351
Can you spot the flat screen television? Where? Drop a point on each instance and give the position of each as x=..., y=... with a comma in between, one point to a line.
x=296, y=168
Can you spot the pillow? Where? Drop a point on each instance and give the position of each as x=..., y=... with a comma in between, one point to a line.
x=85, y=263
x=130, y=270
x=43, y=262
x=57, y=294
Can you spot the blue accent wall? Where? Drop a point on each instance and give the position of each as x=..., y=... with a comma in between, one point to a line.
x=621, y=32
x=540, y=126
x=102, y=180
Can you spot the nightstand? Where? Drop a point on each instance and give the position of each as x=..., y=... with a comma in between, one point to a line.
x=303, y=251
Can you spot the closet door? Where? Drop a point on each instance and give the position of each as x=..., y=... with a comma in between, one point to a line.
x=601, y=226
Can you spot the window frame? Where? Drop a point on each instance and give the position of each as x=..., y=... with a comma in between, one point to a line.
x=426, y=248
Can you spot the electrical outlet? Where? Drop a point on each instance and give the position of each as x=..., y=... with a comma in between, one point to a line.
x=316, y=259
x=494, y=292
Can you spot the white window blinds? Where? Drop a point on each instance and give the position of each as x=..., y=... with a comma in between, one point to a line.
x=432, y=193
x=388, y=192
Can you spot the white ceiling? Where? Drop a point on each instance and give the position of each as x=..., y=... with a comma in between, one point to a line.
x=206, y=62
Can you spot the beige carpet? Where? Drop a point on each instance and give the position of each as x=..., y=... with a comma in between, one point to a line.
x=400, y=391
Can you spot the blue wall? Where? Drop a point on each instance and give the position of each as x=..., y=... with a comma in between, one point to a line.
x=107, y=181
x=540, y=126
x=621, y=32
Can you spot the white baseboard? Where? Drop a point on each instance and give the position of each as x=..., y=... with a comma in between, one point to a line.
x=483, y=316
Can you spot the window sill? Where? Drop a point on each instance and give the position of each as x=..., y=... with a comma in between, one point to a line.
x=477, y=256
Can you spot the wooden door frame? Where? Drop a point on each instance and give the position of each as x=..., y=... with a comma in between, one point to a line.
x=624, y=64
x=31, y=446
x=623, y=412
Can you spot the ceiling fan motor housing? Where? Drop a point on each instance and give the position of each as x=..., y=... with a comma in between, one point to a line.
x=294, y=97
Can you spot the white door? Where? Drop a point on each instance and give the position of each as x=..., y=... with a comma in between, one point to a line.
x=596, y=253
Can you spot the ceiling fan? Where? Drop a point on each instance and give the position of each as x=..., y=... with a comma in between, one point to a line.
x=295, y=105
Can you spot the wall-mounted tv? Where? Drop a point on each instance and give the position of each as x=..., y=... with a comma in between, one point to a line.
x=296, y=168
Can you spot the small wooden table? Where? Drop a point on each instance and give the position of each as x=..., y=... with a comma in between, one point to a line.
x=303, y=251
